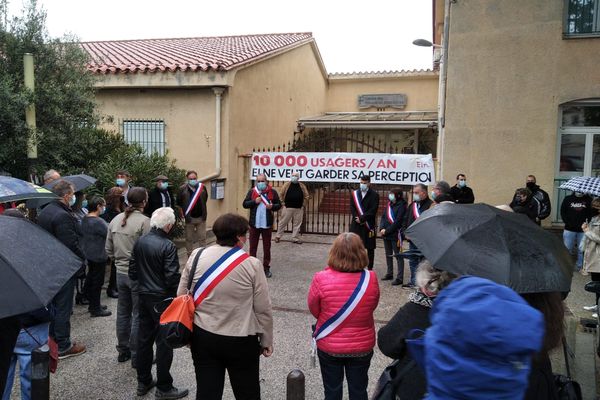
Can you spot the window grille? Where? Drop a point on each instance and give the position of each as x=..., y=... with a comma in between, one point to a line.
x=582, y=17
x=149, y=134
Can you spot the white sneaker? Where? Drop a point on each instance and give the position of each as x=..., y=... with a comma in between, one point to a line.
x=595, y=315
x=590, y=308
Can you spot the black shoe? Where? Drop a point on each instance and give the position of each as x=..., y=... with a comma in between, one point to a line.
x=142, y=388
x=387, y=277
x=100, y=313
x=113, y=294
x=397, y=282
x=81, y=300
x=101, y=307
x=268, y=273
x=174, y=393
x=125, y=356
x=408, y=286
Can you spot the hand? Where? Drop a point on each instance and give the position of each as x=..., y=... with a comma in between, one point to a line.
x=267, y=351
x=585, y=227
x=269, y=206
x=357, y=220
x=257, y=200
x=382, y=232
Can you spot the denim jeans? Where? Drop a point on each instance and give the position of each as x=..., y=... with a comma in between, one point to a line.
x=127, y=316
x=60, y=329
x=413, y=263
x=357, y=375
x=22, y=353
x=574, y=239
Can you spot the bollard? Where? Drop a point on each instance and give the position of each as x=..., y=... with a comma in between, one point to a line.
x=295, y=385
x=40, y=373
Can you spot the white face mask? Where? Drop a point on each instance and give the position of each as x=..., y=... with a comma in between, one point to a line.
x=364, y=187
x=391, y=197
x=294, y=179
x=416, y=197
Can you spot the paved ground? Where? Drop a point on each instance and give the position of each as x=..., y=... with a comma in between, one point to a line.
x=97, y=375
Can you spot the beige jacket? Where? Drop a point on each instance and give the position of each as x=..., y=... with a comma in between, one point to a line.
x=591, y=257
x=120, y=239
x=239, y=305
x=285, y=188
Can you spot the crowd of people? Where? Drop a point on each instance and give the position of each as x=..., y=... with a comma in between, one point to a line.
x=129, y=228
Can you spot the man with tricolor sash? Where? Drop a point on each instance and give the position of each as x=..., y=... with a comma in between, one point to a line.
x=262, y=200
x=192, y=201
x=421, y=202
x=364, y=203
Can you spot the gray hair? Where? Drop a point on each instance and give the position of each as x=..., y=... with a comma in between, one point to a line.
x=51, y=175
x=162, y=217
x=431, y=280
x=62, y=188
x=442, y=186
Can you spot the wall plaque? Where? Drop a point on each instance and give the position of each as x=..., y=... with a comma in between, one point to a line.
x=392, y=100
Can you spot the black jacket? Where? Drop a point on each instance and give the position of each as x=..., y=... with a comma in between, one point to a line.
x=462, y=195
x=391, y=229
x=574, y=211
x=58, y=219
x=530, y=208
x=251, y=204
x=423, y=205
x=392, y=343
x=370, y=205
x=155, y=200
x=154, y=264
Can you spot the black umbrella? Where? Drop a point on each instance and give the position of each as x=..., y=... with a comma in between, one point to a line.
x=80, y=181
x=481, y=240
x=34, y=265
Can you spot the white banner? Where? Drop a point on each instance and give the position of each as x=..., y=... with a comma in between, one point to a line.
x=392, y=169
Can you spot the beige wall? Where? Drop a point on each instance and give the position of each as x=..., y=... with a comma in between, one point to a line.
x=508, y=71
x=421, y=92
x=266, y=101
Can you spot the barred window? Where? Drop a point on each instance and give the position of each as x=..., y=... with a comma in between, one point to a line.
x=149, y=134
x=582, y=18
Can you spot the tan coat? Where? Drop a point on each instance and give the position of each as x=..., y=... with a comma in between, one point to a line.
x=120, y=239
x=239, y=305
x=591, y=257
x=285, y=188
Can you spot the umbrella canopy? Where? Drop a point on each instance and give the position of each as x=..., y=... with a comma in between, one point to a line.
x=34, y=265
x=80, y=181
x=583, y=184
x=484, y=241
x=13, y=189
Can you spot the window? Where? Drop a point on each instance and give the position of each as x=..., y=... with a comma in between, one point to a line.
x=150, y=135
x=582, y=18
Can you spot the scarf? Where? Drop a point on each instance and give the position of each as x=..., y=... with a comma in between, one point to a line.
x=420, y=298
x=267, y=191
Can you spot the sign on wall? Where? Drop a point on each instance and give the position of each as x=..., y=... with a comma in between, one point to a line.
x=393, y=100
x=393, y=169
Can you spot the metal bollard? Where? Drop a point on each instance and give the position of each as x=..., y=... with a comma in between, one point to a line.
x=40, y=373
x=295, y=385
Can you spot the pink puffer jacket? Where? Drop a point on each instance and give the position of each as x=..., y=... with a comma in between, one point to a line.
x=328, y=292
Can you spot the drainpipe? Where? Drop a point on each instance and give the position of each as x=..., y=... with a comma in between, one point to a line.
x=442, y=90
x=218, y=91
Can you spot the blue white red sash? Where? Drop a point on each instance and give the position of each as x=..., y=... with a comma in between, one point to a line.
x=263, y=196
x=416, y=211
x=358, y=205
x=389, y=213
x=217, y=272
x=194, y=199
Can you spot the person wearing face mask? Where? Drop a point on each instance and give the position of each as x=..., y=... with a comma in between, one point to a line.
x=192, y=203
x=364, y=203
x=441, y=193
x=154, y=266
x=541, y=197
x=461, y=193
x=262, y=200
x=58, y=219
x=574, y=211
x=122, y=179
x=160, y=196
x=294, y=195
x=421, y=202
x=94, y=230
x=391, y=231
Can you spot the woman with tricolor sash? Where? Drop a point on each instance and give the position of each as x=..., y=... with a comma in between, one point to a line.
x=343, y=298
x=233, y=323
x=390, y=228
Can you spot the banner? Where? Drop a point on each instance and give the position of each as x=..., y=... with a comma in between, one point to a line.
x=392, y=169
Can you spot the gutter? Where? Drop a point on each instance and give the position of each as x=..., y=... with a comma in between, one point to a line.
x=218, y=91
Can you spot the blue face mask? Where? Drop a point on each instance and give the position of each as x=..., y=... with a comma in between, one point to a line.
x=364, y=187
x=432, y=195
x=164, y=185
x=84, y=204
x=120, y=182
x=102, y=210
x=392, y=197
x=462, y=184
x=261, y=186
x=193, y=182
x=416, y=197
x=72, y=201
x=294, y=179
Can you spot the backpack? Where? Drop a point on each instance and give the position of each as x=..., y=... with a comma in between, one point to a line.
x=544, y=203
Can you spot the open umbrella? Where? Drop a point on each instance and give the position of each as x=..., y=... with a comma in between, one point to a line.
x=34, y=265
x=484, y=241
x=13, y=189
x=80, y=181
x=583, y=184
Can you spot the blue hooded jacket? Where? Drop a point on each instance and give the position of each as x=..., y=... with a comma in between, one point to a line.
x=481, y=342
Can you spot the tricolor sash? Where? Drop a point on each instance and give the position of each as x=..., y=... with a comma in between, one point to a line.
x=263, y=196
x=194, y=199
x=358, y=205
x=337, y=320
x=217, y=272
x=389, y=213
x=416, y=212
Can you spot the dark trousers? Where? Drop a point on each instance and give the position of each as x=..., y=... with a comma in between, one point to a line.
x=391, y=249
x=255, y=234
x=112, y=280
x=60, y=328
x=357, y=375
x=213, y=354
x=371, y=255
x=413, y=263
x=9, y=331
x=93, y=284
x=147, y=335
x=595, y=278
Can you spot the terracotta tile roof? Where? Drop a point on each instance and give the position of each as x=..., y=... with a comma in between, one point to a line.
x=220, y=53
